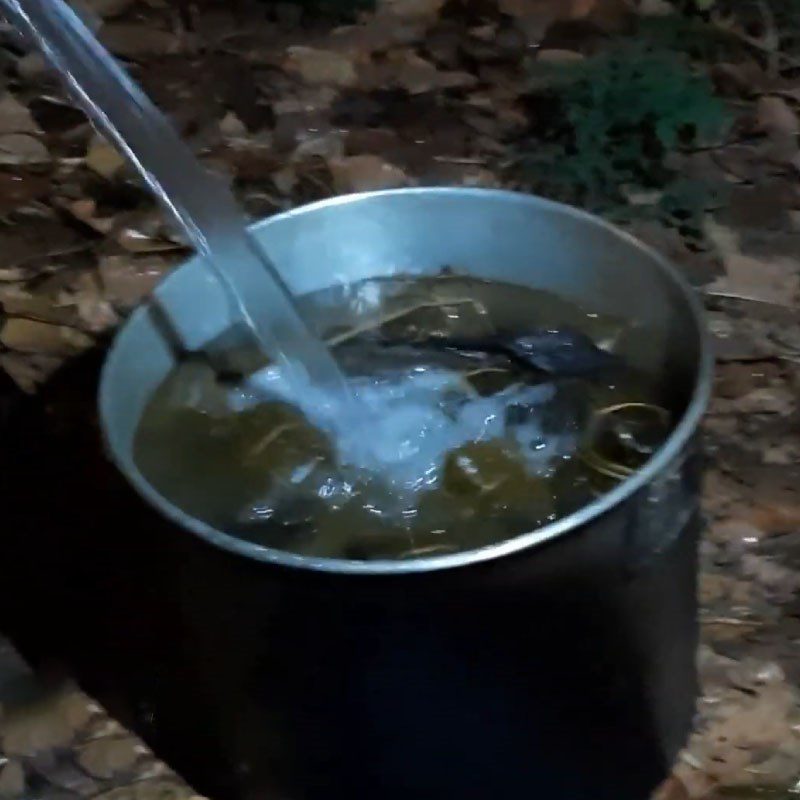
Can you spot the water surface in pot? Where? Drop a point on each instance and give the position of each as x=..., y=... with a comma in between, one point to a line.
x=489, y=409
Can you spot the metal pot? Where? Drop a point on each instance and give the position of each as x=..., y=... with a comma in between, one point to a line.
x=559, y=664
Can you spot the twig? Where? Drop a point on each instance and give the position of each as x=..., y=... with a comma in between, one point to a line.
x=346, y=336
x=765, y=47
x=274, y=434
x=731, y=621
x=464, y=161
x=748, y=299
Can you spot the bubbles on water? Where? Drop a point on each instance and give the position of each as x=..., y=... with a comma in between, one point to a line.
x=401, y=427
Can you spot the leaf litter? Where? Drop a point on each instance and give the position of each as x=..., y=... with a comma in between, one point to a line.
x=296, y=106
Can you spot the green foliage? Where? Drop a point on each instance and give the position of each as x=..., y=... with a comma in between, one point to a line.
x=613, y=122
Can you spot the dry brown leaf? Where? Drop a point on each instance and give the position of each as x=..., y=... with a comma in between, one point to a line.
x=95, y=313
x=412, y=8
x=323, y=67
x=103, y=159
x=655, y=8
x=766, y=400
x=555, y=56
x=285, y=179
x=104, y=758
x=108, y=8
x=17, y=301
x=138, y=241
x=131, y=40
x=51, y=722
x=671, y=789
x=15, y=117
x=776, y=117
x=86, y=212
x=416, y=75
x=128, y=280
x=30, y=336
x=12, y=779
x=534, y=17
x=554, y=9
x=232, y=127
x=364, y=173
x=734, y=531
x=149, y=790
x=18, y=189
x=29, y=371
x=750, y=713
x=22, y=148
x=31, y=66
x=773, y=281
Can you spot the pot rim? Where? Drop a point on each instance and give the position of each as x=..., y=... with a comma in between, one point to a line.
x=674, y=445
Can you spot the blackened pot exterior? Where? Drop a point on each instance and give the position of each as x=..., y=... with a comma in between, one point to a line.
x=557, y=665
x=555, y=673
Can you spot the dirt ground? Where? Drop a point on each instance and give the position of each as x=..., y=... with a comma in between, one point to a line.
x=293, y=106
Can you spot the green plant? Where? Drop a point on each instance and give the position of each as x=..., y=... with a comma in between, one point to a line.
x=612, y=122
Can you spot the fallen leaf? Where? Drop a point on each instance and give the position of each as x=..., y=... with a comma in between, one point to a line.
x=734, y=531
x=137, y=241
x=106, y=757
x=34, y=727
x=108, y=8
x=671, y=789
x=412, y=8
x=12, y=779
x=29, y=371
x=327, y=146
x=103, y=158
x=655, y=8
x=148, y=790
x=365, y=173
x=128, y=280
x=746, y=277
x=766, y=400
x=15, y=117
x=22, y=148
x=30, y=336
x=86, y=211
x=232, y=127
x=764, y=205
x=132, y=40
x=95, y=312
x=285, y=179
x=20, y=188
x=18, y=301
x=417, y=75
x=31, y=66
x=324, y=67
x=555, y=56
x=552, y=9
x=776, y=117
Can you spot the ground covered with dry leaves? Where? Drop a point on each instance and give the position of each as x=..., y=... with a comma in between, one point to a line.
x=293, y=105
